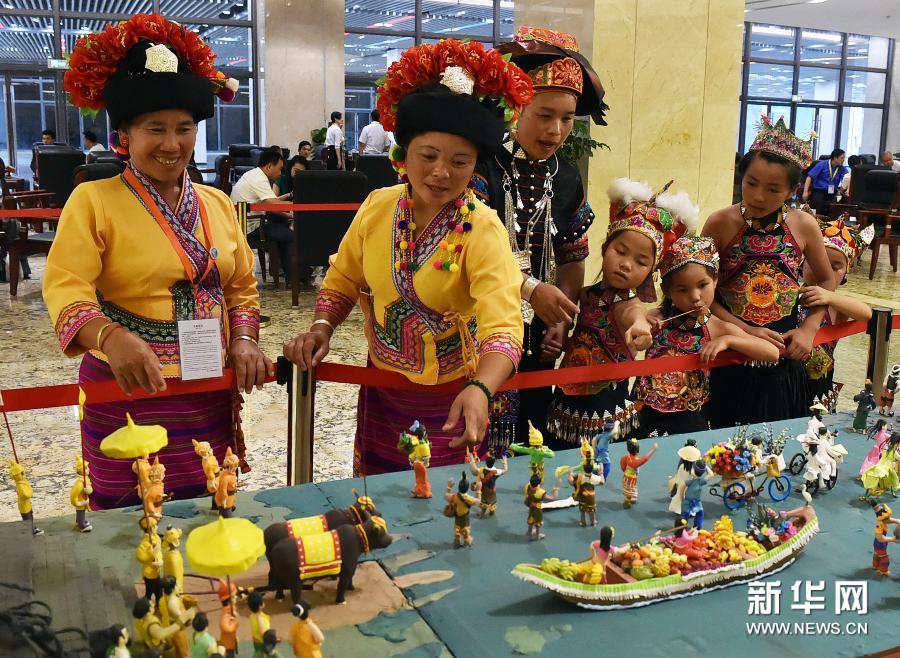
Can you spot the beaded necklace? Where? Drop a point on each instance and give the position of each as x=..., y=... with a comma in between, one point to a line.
x=757, y=225
x=451, y=247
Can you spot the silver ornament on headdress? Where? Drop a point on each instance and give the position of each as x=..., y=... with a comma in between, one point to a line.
x=457, y=80
x=161, y=60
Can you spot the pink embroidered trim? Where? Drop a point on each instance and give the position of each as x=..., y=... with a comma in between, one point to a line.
x=243, y=316
x=72, y=318
x=506, y=344
x=334, y=303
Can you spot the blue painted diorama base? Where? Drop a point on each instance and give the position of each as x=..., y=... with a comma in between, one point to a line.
x=485, y=611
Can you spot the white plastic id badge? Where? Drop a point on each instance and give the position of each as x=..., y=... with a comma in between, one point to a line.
x=831, y=189
x=200, y=344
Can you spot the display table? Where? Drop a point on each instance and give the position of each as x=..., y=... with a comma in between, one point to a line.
x=467, y=602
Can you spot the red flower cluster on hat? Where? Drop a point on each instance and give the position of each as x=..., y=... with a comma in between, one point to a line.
x=494, y=77
x=96, y=57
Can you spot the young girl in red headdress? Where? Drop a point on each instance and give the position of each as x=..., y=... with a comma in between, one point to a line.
x=612, y=323
x=675, y=402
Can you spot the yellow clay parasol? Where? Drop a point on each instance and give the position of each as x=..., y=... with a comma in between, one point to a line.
x=224, y=547
x=134, y=441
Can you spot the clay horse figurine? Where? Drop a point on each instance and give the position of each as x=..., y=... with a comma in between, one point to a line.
x=415, y=445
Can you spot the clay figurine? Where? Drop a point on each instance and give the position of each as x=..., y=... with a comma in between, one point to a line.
x=630, y=464
x=865, y=402
x=487, y=480
x=173, y=562
x=415, y=445
x=171, y=608
x=881, y=561
x=149, y=554
x=153, y=490
x=141, y=468
x=24, y=494
x=228, y=625
x=587, y=451
x=337, y=554
x=150, y=630
x=359, y=513
x=306, y=637
x=884, y=475
x=458, y=506
x=201, y=642
x=891, y=382
x=270, y=642
x=535, y=449
x=692, y=502
x=585, y=484
x=111, y=642
x=880, y=433
x=226, y=487
x=535, y=497
x=80, y=494
x=687, y=455
x=815, y=420
x=259, y=621
x=210, y=467
x=609, y=432
x=602, y=548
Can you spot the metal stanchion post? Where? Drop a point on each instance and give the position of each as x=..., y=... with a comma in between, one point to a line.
x=879, y=340
x=301, y=410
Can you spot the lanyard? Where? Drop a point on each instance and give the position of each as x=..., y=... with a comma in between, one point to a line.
x=831, y=172
x=186, y=261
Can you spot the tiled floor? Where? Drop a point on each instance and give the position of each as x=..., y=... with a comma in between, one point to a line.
x=47, y=440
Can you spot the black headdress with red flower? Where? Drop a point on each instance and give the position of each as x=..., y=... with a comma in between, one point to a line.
x=144, y=65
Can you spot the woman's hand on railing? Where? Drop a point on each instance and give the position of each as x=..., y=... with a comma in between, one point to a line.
x=307, y=350
x=469, y=405
x=251, y=366
x=552, y=306
x=133, y=363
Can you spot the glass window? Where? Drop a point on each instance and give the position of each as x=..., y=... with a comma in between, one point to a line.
x=77, y=124
x=34, y=110
x=459, y=17
x=232, y=123
x=368, y=56
x=770, y=80
x=122, y=7
x=358, y=105
x=864, y=87
x=821, y=47
x=861, y=130
x=237, y=10
x=772, y=42
x=396, y=15
x=871, y=52
x=26, y=39
x=4, y=137
x=820, y=120
x=818, y=84
x=232, y=45
x=507, y=20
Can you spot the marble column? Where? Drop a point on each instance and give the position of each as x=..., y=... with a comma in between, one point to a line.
x=672, y=76
x=302, y=47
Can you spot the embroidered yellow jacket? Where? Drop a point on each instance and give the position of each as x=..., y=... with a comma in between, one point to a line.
x=411, y=317
x=110, y=258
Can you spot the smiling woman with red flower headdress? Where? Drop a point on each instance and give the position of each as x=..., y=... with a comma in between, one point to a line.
x=430, y=265
x=138, y=253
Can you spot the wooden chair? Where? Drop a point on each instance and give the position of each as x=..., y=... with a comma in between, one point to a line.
x=266, y=252
x=890, y=239
x=29, y=243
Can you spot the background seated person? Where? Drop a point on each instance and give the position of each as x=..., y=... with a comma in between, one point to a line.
x=255, y=186
x=285, y=183
x=91, y=143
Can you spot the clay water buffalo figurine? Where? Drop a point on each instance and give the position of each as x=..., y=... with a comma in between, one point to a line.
x=357, y=514
x=294, y=560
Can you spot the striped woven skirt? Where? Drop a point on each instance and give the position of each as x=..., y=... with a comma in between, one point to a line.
x=383, y=413
x=201, y=416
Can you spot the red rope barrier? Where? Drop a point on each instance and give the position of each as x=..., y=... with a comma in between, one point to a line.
x=63, y=395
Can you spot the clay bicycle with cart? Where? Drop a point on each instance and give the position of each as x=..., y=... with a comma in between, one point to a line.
x=740, y=463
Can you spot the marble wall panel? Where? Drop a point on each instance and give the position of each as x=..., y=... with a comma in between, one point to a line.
x=303, y=79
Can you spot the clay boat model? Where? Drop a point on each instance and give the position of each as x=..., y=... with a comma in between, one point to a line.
x=613, y=587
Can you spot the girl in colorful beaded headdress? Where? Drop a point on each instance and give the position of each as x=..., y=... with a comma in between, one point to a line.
x=612, y=323
x=763, y=243
x=541, y=200
x=674, y=402
x=430, y=265
x=843, y=246
x=138, y=253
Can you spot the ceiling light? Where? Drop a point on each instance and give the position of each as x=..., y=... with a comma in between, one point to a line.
x=815, y=2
